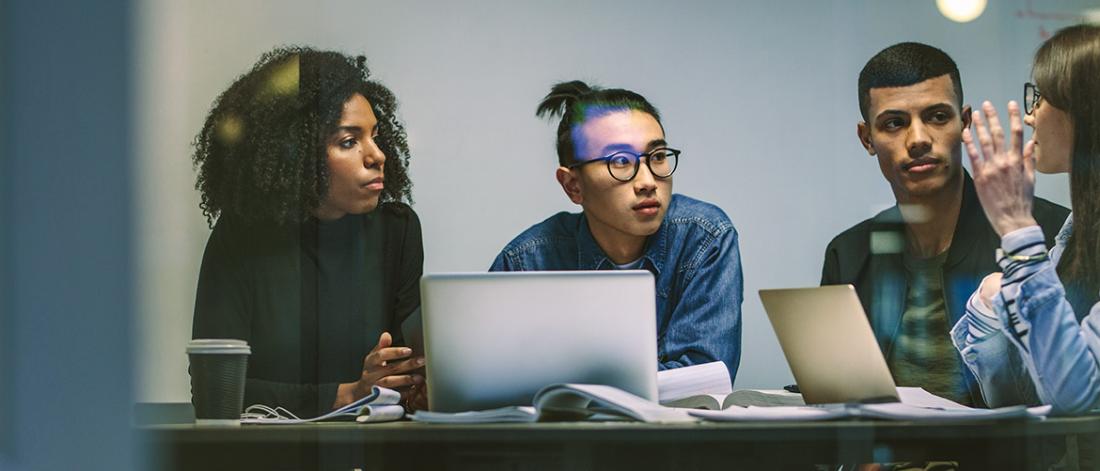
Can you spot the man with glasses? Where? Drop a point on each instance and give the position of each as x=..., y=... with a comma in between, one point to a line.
x=614, y=161
x=915, y=264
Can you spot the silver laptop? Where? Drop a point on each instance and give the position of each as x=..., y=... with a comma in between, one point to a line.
x=829, y=344
x=495, y=339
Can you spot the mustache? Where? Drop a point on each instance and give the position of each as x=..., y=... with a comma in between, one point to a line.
x=928, y=159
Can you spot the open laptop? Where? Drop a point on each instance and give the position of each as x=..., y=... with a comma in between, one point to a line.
x=495, y=339
x=829, y=344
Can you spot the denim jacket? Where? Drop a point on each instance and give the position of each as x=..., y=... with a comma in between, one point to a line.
x=1057, y=362
x=694, y=259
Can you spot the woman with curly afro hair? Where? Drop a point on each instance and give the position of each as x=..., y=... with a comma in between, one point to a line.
x=315, y=256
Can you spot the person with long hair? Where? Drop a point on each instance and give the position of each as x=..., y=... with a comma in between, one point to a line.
x=315, y=255
x=1032, y=332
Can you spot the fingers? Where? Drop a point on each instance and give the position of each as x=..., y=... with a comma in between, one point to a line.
x=985, y=140
x=1016, y=127
x=990, y=286
x=996, y=132
x=384, y=340
x=396, y=367
x=391, y=375
x=415, y=397
x=374, y=373
x=972, y=150
x=991, y=136
x=419, y=398
x=393, y=353
x=380, y=357
x=399, y=381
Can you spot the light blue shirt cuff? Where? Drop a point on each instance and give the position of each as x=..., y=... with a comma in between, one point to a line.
x=1021, y=237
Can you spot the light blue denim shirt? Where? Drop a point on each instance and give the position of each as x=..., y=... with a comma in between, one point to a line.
x=1038, y=351
x=694, y=259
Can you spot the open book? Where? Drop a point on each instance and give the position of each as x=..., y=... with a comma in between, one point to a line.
x=686, y=392
x=587, y=401
x=568, y=402
x=741, y=397
x=381, y=405
x=708, y=386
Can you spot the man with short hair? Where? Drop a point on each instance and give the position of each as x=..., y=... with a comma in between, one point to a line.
x=615, y=163
x=915, y=264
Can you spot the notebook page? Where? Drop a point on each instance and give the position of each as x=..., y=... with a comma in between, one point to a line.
x=708, y=378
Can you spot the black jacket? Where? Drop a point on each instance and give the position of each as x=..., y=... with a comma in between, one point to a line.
x=880, y=280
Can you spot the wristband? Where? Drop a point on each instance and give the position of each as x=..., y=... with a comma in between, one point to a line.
x=1021, y=258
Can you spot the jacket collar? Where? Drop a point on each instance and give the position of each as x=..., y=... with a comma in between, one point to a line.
x=971, y=222
x=591, y=257
x=970, y=225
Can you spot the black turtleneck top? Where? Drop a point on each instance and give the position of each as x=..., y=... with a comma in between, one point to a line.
x=311, y=299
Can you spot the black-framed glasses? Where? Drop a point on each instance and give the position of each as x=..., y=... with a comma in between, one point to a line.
x=1031, y=97
x=623, y=165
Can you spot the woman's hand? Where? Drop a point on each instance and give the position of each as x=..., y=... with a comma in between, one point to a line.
x=384, y=366
x=1004, y=177
x=991, y=285
x=415, y=397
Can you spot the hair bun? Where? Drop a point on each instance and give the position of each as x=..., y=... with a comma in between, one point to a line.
x=561, y=96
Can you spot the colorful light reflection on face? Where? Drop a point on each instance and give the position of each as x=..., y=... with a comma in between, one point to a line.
x=620, y=214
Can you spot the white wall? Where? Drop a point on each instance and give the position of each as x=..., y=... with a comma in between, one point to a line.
x=760, y=96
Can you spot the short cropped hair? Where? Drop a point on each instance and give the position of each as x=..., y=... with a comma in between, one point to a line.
x=902, y=65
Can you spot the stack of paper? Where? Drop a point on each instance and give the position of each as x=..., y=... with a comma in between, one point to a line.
x=916, y=405
x=889, y=411
x=503, y=414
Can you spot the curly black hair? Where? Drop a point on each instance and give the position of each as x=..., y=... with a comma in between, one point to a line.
x=261, y=153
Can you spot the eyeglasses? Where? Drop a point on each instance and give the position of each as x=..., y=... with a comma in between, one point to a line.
x=623, y=165
x=1031, y=97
